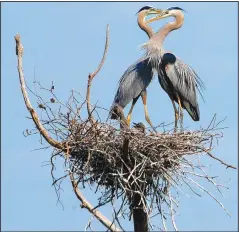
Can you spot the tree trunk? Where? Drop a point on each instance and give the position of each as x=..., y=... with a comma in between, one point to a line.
x=139, y=216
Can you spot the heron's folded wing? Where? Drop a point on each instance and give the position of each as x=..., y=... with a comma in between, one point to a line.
x=134, y=80
x=183, y=78
x=185, y=82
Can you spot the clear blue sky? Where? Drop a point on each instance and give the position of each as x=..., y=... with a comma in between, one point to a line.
x=64, y=42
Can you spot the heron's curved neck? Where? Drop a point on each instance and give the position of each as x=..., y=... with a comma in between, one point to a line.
x=166, y=29
x=145, y=27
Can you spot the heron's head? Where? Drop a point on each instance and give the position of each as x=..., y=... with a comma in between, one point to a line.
x=140, y=127
x=148, y=11
x=172, y=11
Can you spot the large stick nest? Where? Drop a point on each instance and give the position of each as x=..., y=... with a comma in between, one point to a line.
x=126, y=162
x=115, y=158
x=131, y=160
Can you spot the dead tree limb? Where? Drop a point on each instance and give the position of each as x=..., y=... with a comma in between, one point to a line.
x=92, y=75
x=35, y=118
x=60, y=145
x=85, y=204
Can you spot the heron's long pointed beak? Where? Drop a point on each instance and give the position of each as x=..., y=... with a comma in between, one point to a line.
x=153, y=12
x=161, y=14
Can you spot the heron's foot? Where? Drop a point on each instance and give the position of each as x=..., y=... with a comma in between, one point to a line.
x=176, y=122
x=181, y=129
x=128, y=120
x=150, y=123
x=181, y=126
x=181, y=121
x=154, y=129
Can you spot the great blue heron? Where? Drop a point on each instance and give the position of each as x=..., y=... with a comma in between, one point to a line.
x=136, y=78
x=178, y=79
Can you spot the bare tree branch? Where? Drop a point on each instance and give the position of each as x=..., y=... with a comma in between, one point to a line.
x=92, y=75
x=85, y=204
x=42, y=130
x=221, y=161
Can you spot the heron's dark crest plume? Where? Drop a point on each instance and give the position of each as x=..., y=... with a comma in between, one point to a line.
x=176, y=8
x=144, y=8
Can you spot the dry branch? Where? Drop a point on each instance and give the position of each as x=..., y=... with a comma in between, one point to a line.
x=85, y=204
x=35, y=118
x=63, y=146
x=92, y=75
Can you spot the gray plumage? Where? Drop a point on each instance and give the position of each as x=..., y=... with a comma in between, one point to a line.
x=175, y=77
x=134, y=81
x=180, y=80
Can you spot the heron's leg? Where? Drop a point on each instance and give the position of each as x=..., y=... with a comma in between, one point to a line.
x=144, y=98
x=131, y=110
x=175, y=114
x=181, y=113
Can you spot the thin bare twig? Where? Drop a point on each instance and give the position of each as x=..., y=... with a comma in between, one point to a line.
x=92, y=75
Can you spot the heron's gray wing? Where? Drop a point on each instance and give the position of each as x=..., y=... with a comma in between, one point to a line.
x=134, y=80
x=185, y=81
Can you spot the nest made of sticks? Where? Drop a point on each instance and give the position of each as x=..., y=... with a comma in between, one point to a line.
x=130, y=161
x=100, y=153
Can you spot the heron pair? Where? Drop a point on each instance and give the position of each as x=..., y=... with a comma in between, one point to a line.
x=176, y=78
